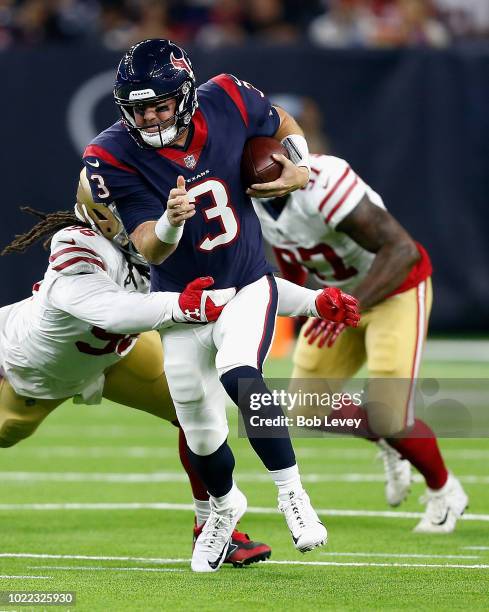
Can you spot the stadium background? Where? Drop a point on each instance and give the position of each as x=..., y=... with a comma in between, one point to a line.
x=96, y=501
x=412, y=119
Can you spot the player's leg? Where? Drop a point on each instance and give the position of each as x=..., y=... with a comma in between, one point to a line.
x=395, y=341
x=325, y=370
x=20, y=416
x=329, y=367
x=199, y=402
x=339, y=362
x=242, y=550
x=138, y=381
x=243, y=336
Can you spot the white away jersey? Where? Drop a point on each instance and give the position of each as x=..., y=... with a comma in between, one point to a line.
x=304, y=234
x=82, y=318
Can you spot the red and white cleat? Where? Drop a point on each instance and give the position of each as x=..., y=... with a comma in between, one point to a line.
x=242, y=551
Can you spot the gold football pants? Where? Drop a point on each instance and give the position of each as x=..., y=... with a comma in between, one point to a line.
x=390, y=339
x=136, y=381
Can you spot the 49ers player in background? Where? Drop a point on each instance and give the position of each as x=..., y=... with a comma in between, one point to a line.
x=338, y=229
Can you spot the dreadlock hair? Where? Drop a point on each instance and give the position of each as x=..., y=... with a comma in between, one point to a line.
x=50, y=223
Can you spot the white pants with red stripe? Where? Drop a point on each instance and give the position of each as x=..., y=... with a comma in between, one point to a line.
x=197, y=355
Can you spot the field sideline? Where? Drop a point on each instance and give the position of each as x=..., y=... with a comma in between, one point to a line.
x=96, y=502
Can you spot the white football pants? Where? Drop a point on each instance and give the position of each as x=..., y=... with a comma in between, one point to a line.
x=197, y=355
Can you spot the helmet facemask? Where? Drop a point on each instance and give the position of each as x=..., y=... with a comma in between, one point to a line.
x=168, y=130
x=152, y=71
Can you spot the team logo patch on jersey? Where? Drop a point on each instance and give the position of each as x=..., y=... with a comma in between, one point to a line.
x=190, y=161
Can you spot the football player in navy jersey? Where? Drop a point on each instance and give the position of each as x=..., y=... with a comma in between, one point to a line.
x=172, y=167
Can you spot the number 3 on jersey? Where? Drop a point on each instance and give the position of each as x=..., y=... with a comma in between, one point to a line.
x=220, y=210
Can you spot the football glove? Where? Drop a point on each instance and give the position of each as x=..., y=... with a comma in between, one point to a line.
x=198, y=305
x=325, y=332
x=334, y=305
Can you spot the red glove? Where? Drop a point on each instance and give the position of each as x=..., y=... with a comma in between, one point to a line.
x=337, y=311
x=196, y=304
x=334, y=305
x=325, y=332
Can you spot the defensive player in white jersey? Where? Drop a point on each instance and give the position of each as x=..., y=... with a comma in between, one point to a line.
x=338, y=229
x=78, y=336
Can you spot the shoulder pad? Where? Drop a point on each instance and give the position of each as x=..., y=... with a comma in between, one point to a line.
x=229, y=84
x=337, y=189
x=77, y=250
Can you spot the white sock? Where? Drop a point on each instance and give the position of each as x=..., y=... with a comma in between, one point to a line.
x=202, y=510
x=225, y=502
x=287, y=480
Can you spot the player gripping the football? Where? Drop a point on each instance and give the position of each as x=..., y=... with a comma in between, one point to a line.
x=78, y=334
x=179, y=147
x=337, y=229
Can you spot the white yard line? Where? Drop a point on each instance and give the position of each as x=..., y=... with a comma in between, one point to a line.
x=169, y=561
x=8, y=576
x=163, y=561
x=474, y=547
x=148, y=477
x=397, y=555
x=106, y=569
x=250, y=510
x=312, y=563
x=125, y=477
x=160, y=560
x=97, y=452
x=276, y=562
x=368, y=564
x=143, y=452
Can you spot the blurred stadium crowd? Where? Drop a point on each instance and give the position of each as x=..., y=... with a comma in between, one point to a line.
x=327, y=23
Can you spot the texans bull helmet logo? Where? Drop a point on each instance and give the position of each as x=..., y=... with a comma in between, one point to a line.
x=180, y=63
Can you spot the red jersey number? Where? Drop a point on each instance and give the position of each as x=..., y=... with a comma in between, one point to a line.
x=115, y=343
x=302, y=256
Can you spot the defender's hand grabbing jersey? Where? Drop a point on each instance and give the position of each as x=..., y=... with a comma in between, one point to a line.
x=86, y=315
x=223, y=239
x=82, y=318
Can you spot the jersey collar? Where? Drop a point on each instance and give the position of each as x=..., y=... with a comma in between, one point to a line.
x=188, y=155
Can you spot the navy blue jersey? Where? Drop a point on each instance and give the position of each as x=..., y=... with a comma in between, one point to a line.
x=223, y=239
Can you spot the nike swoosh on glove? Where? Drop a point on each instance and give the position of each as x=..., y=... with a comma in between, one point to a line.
x=199, y=305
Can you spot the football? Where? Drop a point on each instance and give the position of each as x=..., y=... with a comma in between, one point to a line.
x=257, y=163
